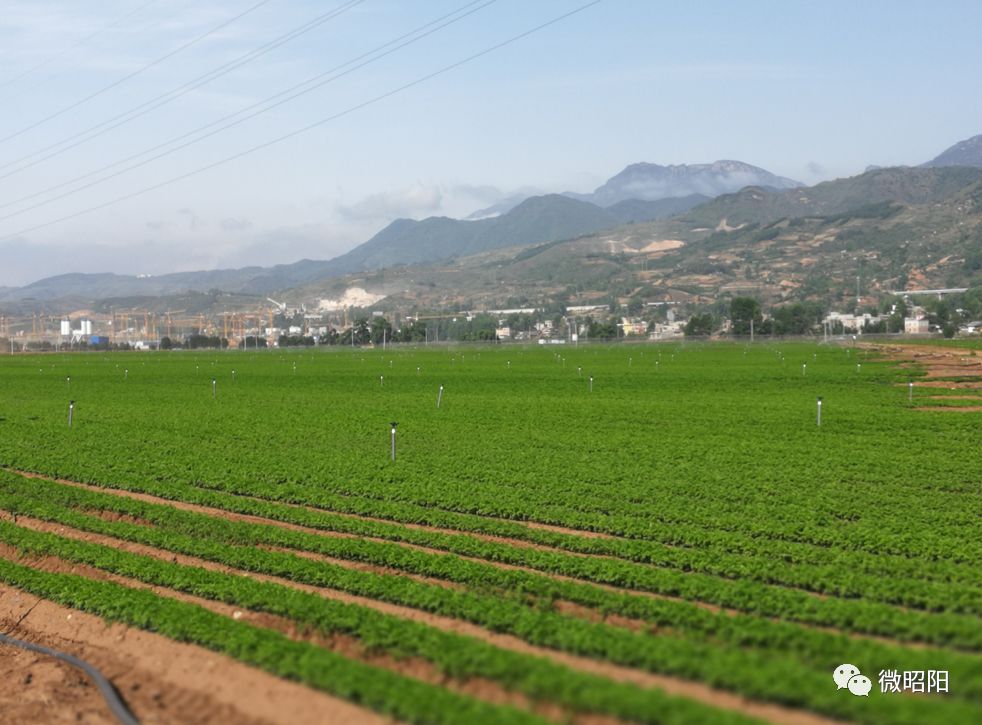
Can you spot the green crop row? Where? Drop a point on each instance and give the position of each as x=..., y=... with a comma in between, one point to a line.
x=645, y=551
x=869, y=499
x=949, y=588
x=848, y=614
x=456, y=656
x=378, y=689
x=759, y=673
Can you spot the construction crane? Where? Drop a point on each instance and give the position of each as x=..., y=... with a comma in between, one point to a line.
x=281, y=306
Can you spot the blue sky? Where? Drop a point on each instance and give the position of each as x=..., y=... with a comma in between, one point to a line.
x=807, y=90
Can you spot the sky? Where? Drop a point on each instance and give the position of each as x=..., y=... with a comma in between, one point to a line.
x=117, y=97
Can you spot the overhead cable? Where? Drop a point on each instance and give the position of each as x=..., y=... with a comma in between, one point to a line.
x=133, y=74
x=267, y=104
x=309, y=127
x=164, y=98
x=77, y=44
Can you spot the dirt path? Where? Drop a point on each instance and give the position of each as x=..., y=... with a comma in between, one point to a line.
x=672, y=685
x=936, y=362
x=161, y=680
x=951, y=408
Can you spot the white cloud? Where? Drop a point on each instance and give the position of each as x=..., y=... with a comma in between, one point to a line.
x=417, y=200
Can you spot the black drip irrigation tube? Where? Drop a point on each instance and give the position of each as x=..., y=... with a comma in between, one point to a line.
x=106, y=688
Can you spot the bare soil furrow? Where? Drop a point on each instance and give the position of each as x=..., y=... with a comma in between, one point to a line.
x=221, y=513
x=672, y=685
x=161, y=680
x=345, y=645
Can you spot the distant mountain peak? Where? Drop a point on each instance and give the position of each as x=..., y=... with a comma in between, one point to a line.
x=650, y=182
x=963, y=153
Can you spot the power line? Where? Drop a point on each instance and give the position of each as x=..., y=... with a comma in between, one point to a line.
x=137, y=72
x=173, y=94
x=309, y=127
x=271, y=102
x=77, y=44
x=33, y=87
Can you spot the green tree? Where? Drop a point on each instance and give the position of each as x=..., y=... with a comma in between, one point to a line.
x=381, y=330
x=743, y=310
x=797, y=319
x=699, y=325
x=605, y=330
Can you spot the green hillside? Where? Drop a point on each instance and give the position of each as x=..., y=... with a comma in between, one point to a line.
x=891, y=229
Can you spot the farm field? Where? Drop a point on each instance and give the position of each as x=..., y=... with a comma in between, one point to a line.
x=594, y=534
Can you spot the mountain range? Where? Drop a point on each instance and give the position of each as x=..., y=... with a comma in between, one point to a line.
x=890, y=229
x=718, y=196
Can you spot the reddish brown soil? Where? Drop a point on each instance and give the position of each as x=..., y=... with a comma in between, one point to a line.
x=566, y=530
x=368, y=567
x=345, y=645
x=672, y=685
x=936, y=362
x=573, y=609
x=946, y=384
x=161, y=680
x=362, y=566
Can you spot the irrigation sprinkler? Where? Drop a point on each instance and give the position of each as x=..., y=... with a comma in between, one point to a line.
x=439, y=396
x=71, y=411
x=294, y=368
x=858, y=365
x=803, y=366
x=68, y=381
x=579, y=372
x=394, y=424
x=417, y=369
x=910, y=392
x=591, y=383
x=381, y=380
x=630, y=361
x=233, y=376
x=126, y=373
x=214, y=388
x=818, y=419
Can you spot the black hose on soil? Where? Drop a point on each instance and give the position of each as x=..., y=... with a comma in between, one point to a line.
x=109, y=693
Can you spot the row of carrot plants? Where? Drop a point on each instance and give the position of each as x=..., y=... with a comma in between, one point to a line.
x=455, y=655
x=764, y=673
x=757, y=598
x=387, y=692
x=646, y=551
x=893, y=580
